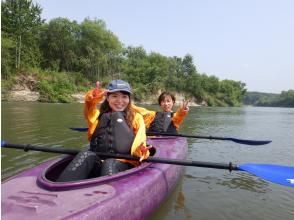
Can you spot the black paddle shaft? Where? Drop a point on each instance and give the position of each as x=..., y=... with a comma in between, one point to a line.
x=236, y=140
x=27, y=147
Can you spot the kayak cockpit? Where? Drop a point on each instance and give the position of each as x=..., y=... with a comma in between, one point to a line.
x=47, y=179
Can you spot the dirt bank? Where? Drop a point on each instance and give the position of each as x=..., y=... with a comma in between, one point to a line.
x=26, y=95
x=23, y=90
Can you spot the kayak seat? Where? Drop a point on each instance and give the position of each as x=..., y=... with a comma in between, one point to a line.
x=54, y=171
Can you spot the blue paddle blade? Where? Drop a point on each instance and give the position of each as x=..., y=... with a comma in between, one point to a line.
x=283, y=175
x=3, y=143
x=79, y=129
x=248, y=142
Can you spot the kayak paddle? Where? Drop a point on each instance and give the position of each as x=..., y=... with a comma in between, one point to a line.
x=236, y=140
x=79, y=129
x=283, y=175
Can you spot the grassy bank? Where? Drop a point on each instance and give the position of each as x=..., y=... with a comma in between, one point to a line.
x=52, y=86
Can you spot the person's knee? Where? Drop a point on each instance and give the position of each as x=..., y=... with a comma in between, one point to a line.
x=83, y=158
x=112, y=166
x=81, y=167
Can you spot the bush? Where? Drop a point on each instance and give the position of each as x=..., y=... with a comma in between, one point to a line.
x=58, y=89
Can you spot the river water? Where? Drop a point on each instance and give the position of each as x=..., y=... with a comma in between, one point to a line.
x=202, y=193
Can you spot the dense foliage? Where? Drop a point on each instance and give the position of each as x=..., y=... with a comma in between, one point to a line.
x=89, y=49
x=285, y=99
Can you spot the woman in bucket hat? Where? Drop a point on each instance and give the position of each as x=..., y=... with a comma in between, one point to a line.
x=114, y=128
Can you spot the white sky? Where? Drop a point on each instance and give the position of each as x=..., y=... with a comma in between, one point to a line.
x=244, y=40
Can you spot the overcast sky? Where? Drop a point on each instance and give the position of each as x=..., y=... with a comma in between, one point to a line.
x=244, y=40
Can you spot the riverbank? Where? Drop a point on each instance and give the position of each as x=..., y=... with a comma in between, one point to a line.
x=26, y=88
x=24, y=94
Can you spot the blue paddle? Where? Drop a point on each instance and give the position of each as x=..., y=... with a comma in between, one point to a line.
x=283, y=175
x=236, y=140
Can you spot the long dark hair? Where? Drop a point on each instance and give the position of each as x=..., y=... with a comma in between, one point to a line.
x=129, y=114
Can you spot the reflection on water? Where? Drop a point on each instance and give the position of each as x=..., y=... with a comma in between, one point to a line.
x=245, y=181
x=180, y=201
x=202, y=193
x=237, y=181
x=174, y=207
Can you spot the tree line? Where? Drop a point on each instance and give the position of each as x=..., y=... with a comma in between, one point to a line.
x=63, y=48
x=285, y=99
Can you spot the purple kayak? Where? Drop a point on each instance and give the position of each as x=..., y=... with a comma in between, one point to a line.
x=131, y=194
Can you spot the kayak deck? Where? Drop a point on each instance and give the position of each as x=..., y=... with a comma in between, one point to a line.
x=132, y=194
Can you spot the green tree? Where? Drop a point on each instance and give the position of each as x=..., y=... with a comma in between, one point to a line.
x=20, y=21
x=59, y=44
x=135, y=64
x=188, y=67
x=99, y=49
x=233, y=92
x=7, y=58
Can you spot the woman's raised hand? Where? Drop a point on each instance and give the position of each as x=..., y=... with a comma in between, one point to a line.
x=185, y=105
x=98, y=90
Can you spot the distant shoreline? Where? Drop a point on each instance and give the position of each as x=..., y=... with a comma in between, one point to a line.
x=26, y=95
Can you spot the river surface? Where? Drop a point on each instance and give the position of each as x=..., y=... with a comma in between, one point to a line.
x=202, y=193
